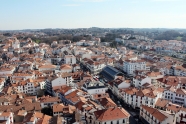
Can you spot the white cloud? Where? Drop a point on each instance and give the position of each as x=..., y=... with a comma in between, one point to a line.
x=71, y=5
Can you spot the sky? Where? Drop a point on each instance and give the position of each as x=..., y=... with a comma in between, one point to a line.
x=40, y=14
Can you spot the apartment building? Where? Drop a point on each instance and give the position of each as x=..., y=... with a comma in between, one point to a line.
x=62, y=110
x=94, y=87
x=154, y=116
x=120, y=84
x=65, y=68
x=47, y=101
x=94, y=66
x=129, y=66
x=70, y=59
x=116, y=115
x=47, y=67
x=137, y=97
x=60, y=81
x=6, y=118
x=139, y=81
x=30, y=86
x=176, y=95
x=7, y=69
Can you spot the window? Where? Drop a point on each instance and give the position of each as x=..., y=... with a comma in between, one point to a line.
x=70, y=60
x=117, y=122
x=111, y=122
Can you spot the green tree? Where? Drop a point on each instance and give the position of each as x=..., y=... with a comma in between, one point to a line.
x=37, y=41
x=47, y=111
x=40, y=93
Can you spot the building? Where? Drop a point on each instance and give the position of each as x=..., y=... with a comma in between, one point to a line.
x=154, y=116
x=6, y=118
x=30, y=86
x=137, y=97
x=2, y=83
x=62, y=80
x=110, y=73
x=70, y=59
x=65, y=68
x=119, y=40
x=84, y=111
x=47, y=101
x=95, y=66
x=130, y=66
x=175, y=95
x=115, y=115
x=120, y=84
x=139, y=81
x=94, y=87
x=161, y=104
x=7, y=69
x=47, y=67
x=62, y=110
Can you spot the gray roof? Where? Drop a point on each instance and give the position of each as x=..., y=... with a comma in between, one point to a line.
x=93, y=85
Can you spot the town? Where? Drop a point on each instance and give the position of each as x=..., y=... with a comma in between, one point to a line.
x=134, y=79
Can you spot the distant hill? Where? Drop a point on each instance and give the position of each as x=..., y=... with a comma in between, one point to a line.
x=171, y=35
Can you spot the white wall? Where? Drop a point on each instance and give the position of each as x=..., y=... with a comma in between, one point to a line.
x=70, y=60
x=96, y=91
x=114, y=121
x=58, y=82
x=130, y=67
x=139, y=83
x=46, y=104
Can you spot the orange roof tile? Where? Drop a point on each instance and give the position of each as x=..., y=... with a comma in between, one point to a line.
x=111, y=114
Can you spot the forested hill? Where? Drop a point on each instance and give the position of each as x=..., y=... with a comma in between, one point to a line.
x=171, y=35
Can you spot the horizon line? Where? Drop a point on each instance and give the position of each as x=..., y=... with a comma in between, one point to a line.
x=88, y=28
